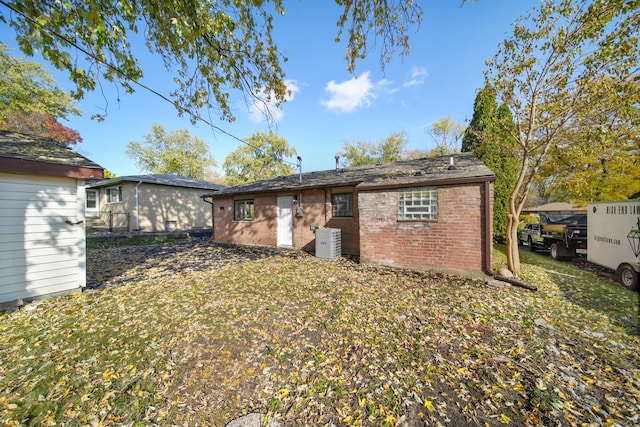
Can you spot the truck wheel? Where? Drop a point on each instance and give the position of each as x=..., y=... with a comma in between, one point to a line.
x=629, y=277
x=531, y=247
x=554, y=252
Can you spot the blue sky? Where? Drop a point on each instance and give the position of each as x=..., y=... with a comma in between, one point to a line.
x=328, y=105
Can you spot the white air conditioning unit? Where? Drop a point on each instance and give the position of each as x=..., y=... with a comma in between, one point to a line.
x=328, y=243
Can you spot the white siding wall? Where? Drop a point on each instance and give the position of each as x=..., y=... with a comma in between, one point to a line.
x=40, y=254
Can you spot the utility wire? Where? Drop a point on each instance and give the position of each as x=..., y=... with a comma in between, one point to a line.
x=140, y=84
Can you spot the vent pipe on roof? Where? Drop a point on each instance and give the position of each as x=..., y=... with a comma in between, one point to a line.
x=451, y=165
x=337, y=162
x=300, y=167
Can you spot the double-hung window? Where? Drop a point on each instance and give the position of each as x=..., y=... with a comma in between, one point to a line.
x=91, y=199
x=243, y=210
x=114, y=194
x=418, y=204
x=342, y=204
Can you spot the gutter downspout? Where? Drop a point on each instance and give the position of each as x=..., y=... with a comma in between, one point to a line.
x=137, y=208
x=488, y=238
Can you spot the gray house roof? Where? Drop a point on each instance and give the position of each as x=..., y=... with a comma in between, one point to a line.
x=22, y=153
x=425, y=171
x=159, y=179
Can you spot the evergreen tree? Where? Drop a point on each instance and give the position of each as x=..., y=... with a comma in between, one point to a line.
x=488, y=139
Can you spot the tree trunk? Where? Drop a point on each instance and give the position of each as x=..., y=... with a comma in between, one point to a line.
x=513, y=256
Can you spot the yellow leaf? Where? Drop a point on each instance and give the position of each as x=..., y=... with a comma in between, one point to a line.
x=561, y=395
x=390, y=419
x=596, y=408
x=429, y=405
x=518, y=387
x=284, y=392
x=504, y=419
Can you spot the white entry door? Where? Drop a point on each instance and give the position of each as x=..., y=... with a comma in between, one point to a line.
x=285, y=221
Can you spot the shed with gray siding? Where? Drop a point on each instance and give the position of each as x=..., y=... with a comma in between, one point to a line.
x=42, y=213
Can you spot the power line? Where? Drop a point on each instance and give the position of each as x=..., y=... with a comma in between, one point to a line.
x=124, y=75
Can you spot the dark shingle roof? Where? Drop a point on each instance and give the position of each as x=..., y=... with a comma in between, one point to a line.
x=431, y=170
x=160, y=179
x=18, y=146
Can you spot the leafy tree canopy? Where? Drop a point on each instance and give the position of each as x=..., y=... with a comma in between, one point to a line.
x=262, y=157
x=31, y=102
x=213, y=46
x=389, y=149
x=446, y=134
x=176, y=152
x=548, y=72
x=41, y=124
x=598, y=157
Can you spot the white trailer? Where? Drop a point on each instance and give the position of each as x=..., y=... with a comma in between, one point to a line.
x=614, y=238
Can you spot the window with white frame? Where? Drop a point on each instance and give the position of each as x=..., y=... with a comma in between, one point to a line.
x=113, y=194
x=342, y=204
x=91, y=199
x=418, y=203
x=243, y=210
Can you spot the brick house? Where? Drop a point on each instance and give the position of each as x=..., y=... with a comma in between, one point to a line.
x=433, y=213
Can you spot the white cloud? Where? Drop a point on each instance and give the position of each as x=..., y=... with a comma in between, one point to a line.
x=386, y=86
x=350, y=94
x=265, y=109
x=417, y=77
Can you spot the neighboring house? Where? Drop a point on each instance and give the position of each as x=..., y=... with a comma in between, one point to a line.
x=162, y=202
x=423, y=213
x=42, y=234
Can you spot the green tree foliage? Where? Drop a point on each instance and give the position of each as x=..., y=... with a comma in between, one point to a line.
x=262, y=158
x=600, y=158
x=213, y=46
x=487, y=138
x=446, y=134
x=547, y=74
x=389, y=149
x=31, y=102
x=172, y=152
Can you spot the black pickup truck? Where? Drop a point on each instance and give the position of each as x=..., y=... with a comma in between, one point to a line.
x=564, y=236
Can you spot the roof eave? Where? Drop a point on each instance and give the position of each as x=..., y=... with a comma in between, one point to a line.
x=437, y=182
x=33, y=167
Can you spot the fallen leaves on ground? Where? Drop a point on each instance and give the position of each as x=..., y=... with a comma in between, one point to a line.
x=199, y=334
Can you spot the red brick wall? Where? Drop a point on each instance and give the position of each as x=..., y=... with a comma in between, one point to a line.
x=262, y=230
x=453, y=242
